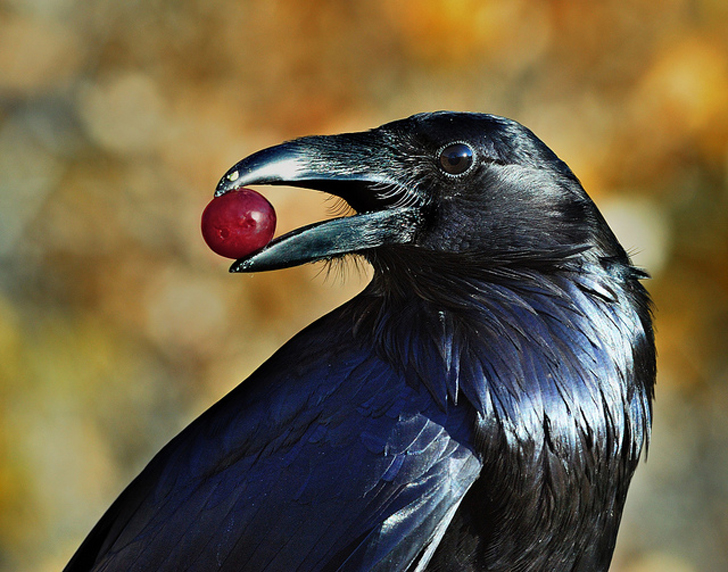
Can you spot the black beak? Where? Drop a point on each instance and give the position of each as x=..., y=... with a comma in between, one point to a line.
x=351, y=166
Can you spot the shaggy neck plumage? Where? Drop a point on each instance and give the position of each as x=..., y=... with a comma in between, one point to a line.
x=558, y=374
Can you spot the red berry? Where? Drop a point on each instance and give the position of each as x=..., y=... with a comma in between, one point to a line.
x=238, y=223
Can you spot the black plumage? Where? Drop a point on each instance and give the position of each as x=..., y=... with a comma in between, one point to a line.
x=481, y=405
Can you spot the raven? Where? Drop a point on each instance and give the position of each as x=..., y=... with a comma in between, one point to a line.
x=481, y=405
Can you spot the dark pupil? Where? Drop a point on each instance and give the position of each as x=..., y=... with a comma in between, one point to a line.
x=456, y=159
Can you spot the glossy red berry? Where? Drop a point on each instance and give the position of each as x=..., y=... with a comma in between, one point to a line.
x=238, y=223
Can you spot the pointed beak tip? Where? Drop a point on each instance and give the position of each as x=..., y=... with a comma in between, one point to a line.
x=239, y=266
x=228, y=182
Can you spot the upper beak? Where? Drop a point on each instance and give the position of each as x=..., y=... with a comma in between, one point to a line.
x=350, y=166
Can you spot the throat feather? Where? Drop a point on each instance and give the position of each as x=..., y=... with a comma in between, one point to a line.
x=527, y=352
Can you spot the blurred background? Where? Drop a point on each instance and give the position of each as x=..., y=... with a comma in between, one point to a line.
x=118, y=326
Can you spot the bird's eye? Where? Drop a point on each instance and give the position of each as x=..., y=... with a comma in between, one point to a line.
x=455, y=159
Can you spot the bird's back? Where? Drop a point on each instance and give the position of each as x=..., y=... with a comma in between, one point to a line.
x=324, y=459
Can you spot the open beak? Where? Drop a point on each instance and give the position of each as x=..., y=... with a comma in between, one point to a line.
x=351, y=166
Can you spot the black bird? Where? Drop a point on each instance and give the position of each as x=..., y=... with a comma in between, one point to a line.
x=481, y=405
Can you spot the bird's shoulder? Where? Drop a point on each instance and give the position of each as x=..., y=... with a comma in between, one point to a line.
x=323, y=423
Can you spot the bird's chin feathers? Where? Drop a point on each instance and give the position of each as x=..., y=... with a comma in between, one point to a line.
x=530, y=362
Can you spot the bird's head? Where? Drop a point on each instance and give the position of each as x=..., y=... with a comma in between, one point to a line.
x=471, y=185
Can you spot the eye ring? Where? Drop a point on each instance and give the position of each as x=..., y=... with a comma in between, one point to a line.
x=455, y=158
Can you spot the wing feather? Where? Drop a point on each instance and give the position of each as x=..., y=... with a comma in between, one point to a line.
x=324, y=459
